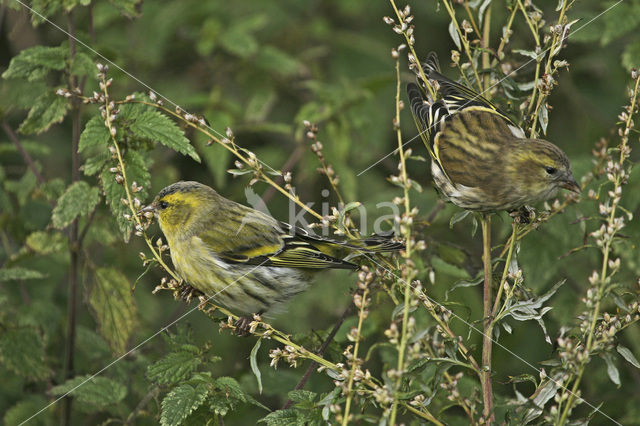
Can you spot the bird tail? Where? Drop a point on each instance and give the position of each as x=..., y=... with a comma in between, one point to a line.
x=377, y=243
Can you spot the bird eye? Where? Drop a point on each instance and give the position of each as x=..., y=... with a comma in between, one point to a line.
x=163, y=205
x=550, y=170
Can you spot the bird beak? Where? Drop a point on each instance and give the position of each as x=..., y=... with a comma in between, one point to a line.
x=571, y=184
x=150, y=208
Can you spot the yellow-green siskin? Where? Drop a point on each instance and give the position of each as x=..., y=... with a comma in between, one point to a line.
x=242, y=258
x=481, y=160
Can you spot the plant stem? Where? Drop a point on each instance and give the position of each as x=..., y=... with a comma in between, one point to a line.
x=487, y=392
x=486, y=60
x=505, y=272
x=605, y=262
x=361, y=316
x=74, y=249
x=320, y=352
x=406, y=231
x=23, y=152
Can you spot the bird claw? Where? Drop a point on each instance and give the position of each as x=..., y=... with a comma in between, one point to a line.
x=523, y=215
x=243, y=326
x=187, y=293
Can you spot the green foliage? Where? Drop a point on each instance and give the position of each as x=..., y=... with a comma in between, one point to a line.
x=92, y=393
x=113, y=306
x=78, y=200
x=158, y=128
x=181, y=402
x=261, y=69
x=22, y=351
x=11, y=274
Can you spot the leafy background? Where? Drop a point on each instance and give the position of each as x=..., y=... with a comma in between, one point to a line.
x=260, y=68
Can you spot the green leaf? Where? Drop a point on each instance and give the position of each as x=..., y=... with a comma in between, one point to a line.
x=47, y=110
x=83, y=65
x=458, y=217
x=35, y=62
x=97, y=392
x=113, y=307
x=43, y=242
x=95, y=134
x=22, y=351
x=157, y=127
x=286, y=417
x=232, y=389
x=612, y=370
x=253, y=362
x=446, y=268
x=129, y=8
x=238, y=41
x=25, y=409
x=628, y=355
x=78, y=200
x=181, y=402
x=136, y=168
x=619, y=20
x=11, y=274
x=173, y=368
x=631, y=55
x=277, y=61
x=302, y=396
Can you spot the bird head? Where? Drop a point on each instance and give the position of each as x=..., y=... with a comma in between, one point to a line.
x=178, y=205
x=544, y=168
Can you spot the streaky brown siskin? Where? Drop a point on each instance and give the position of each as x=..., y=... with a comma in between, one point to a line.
x=481, y=160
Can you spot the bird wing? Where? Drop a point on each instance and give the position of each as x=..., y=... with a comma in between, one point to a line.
x=469, y=146
x=239, y=234
x=458, y=97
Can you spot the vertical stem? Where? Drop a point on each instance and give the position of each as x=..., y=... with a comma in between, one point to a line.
x=73, y=238
x=406, y=231
x=487, y=391
x=486, y=60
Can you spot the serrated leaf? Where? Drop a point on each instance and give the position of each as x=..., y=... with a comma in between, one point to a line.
x=83, y=65
x=11, y=274
x=129, y=8
x=173, y=368
x=95, y=134
x=35, y=62
x=47, y=110
x=285, y=417
x=136, y=168
x=253, y=362
x=628, y=355
x=302, y=395
x=97, y=392
x=78, y=200
x=25, y=410
x=157, y=127
x=181, y=402
x=113, y=307
x=43, y=242
x=22, y=351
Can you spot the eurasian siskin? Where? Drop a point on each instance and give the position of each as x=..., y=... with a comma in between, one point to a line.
x=481, y=160
x=242, y=258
